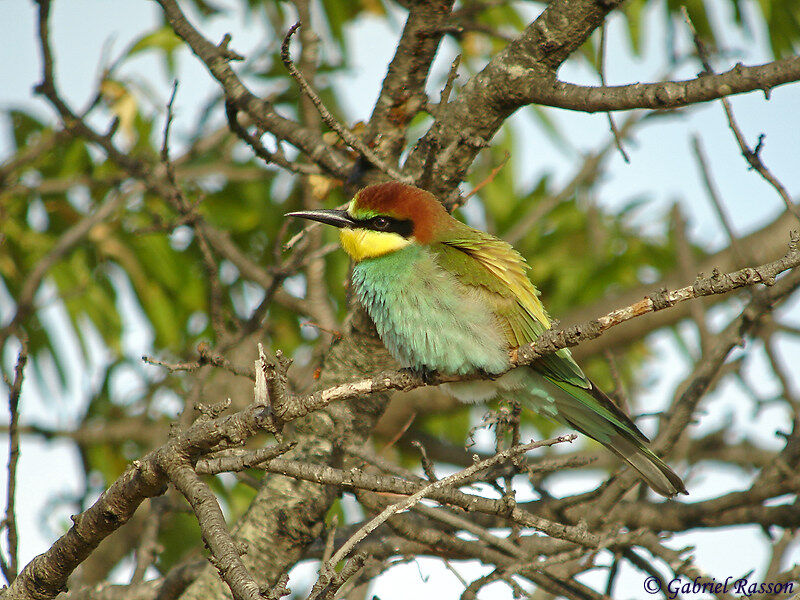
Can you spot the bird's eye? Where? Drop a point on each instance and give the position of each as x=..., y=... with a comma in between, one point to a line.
x=381, y=223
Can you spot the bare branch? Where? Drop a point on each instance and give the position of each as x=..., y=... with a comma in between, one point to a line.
x=225, y=554
x=434, y=485
x=261, y=112
x=752, y=156
x=602, y=70
x=667, y=94
x=347, y=136
x=10, y=522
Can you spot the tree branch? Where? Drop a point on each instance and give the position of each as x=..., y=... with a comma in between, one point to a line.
x=10, y=521
x=403, y=90
x=661, y=95
x=347, y=136
x=490, y=97
x=261, y=112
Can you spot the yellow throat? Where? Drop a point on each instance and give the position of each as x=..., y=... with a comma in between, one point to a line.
x=365, y=243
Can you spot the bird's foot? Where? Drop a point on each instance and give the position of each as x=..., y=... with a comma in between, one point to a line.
x=486, y=375
x=429, y=376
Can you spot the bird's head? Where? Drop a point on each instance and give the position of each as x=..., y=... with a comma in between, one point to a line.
x=384, y=218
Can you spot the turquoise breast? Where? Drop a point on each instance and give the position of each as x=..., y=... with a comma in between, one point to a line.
x=425, y=317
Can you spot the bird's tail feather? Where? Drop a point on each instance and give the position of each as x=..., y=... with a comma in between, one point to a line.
x=653, y=470
x=593, y=413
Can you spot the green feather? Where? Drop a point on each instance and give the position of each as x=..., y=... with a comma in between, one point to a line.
x=483, y=261
x=494, y=269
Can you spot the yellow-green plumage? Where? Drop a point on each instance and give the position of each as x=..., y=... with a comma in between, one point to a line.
x=446, y=297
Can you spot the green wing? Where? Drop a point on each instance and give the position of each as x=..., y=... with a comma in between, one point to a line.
x=495, y=269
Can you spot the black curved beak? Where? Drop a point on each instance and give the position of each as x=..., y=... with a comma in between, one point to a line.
x=337, y=218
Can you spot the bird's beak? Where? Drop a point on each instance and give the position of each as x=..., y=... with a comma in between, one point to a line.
x=337, y=218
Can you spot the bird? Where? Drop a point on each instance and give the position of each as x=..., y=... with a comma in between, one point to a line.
x=451, y=299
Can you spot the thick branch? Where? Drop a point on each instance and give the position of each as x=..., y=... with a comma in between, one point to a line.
x=46, y=575
x=487, y=100
x=225, y=555
x=665, y=94
x=403, y=89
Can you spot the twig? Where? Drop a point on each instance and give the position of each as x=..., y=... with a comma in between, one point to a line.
x=225, y=553
x=431, y=151
x=487, y=180
x=277, y=158
x=330, y=582
x=459, y=523
x=770, y=347
x=176, y=197
x=209, y=357
x=172, y=367
x=455, y=573
x=444, y=97
x=742, y=256
x=400, y=432
x=347, y=136
x=10, y=522
x=450, y=481
x=751, y=155
x=427, y=465
x=170, y=168
x=601, y=59
x=241, y=460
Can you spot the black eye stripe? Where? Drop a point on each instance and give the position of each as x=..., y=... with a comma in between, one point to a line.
x=403, y=227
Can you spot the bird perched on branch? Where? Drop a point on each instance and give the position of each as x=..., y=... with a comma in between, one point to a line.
x=451, y=299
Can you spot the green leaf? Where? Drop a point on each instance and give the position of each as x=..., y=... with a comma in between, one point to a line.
x=163, y=39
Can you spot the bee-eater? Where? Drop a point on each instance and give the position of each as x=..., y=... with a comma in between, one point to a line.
x=455, y=300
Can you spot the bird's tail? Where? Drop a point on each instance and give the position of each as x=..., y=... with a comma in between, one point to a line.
x=591, y=412
x=630, y=445
x=653, y=470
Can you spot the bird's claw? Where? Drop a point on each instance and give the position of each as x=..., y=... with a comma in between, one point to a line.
x=428, y=376
x=486, y=375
